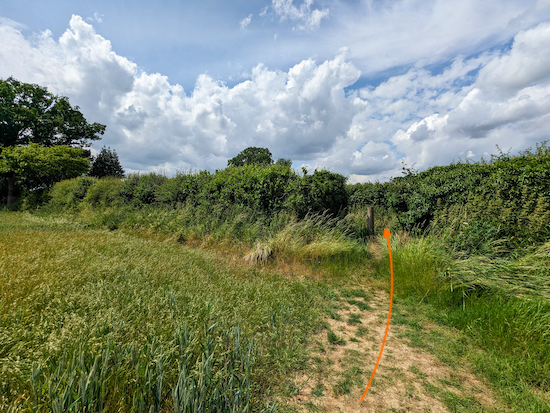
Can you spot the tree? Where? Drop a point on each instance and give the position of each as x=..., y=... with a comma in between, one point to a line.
x=36, y=167
x=252, y=156
x=284, y=162
x=29, y=113
x=106, y=164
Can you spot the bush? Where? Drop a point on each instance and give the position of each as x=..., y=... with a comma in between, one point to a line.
x=67, y=195
x=104, y=193
x=183, y=188
x=264, y=188
x=139, y=189
x=321, y=192
x=505, y=198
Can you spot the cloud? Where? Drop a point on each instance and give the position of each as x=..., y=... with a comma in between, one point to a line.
x=98, y=17
x=245, y=22
x=306, y=113
x=306, y=18
x=507, y=104
x=385, y=34
x=527, y=63
x=155, y=124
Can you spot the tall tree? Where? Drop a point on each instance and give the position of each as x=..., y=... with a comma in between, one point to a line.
x=284, y=162
x=252, y=156
x=35, y=166
x=105, y=164
x=29, y=113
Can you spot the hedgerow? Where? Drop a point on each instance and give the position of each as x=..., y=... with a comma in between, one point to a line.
x=266, y=189
x=505, y=199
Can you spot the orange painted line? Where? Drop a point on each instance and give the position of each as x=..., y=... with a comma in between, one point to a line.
x=386, y=235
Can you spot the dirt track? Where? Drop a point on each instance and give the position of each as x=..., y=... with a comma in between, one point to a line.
x=408, y=379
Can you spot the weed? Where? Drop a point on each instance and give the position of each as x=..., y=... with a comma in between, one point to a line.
x=335, y=339
x=354, y=319
x=318, y=389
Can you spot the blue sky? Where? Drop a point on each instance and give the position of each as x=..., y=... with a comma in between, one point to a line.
x=357, y=86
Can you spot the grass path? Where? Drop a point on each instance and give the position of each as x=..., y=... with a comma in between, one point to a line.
x=423, y=368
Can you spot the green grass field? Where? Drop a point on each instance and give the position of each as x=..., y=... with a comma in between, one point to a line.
x=110, y=320
x=129, y=320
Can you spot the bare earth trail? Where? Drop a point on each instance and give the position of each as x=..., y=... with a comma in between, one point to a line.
x=409, y=377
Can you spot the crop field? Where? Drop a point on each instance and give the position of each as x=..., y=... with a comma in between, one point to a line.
x=94, y=320
x=257, y=289
x=100, y=320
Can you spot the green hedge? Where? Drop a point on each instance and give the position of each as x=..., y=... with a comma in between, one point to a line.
x=265, y=189
x=505, y=199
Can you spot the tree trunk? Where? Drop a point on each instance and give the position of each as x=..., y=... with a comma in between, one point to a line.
x=13, y=192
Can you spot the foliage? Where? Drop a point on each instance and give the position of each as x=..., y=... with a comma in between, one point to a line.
x=504, y=199
x=323, y=191
x=68, y=194
x=183, y=188
x=29, y=113
x=105, y=164
x=490, y=225
x=258, y=187
x=265, y=189
x=140, y=189
x=284, y=162
x=37, y=166
x=91, y=318
x=102, y=193
x=252, y=156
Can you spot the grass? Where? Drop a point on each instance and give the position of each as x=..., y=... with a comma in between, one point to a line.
x=514, y=334
x=354, y=319
x=101, y=318
x=319, y=241
x=334, y=338
x=81, y=300
x=501, y=306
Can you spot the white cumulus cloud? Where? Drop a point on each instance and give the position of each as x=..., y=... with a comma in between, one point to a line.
x=508, y=104
x=305, y=113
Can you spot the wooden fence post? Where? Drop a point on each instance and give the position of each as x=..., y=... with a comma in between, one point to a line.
x=370, y=221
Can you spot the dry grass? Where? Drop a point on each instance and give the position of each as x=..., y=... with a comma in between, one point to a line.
x=408, y=379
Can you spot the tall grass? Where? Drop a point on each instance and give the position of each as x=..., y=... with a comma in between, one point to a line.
x=418, y=264
x=315, y=239
x=502, y=305
x=99, y=318
x=207, y=372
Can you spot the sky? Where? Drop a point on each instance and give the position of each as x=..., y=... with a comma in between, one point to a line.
x=358, y=87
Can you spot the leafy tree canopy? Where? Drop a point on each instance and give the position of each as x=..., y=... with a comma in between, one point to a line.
x=252, y=156
x=29, y=113
x=106, y=164
x=35, y=166
x=284, y=162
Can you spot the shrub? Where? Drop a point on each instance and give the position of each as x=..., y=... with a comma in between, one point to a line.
x=321, y=192
x=67, y=195
x=139, y=189
x=504, y=198
x=258, y=187
x=104, y=193
x=184, y=187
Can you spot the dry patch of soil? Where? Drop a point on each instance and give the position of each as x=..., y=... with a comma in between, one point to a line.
x=408, y=379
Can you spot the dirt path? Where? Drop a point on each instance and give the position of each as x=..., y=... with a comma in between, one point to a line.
x=409, y=378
